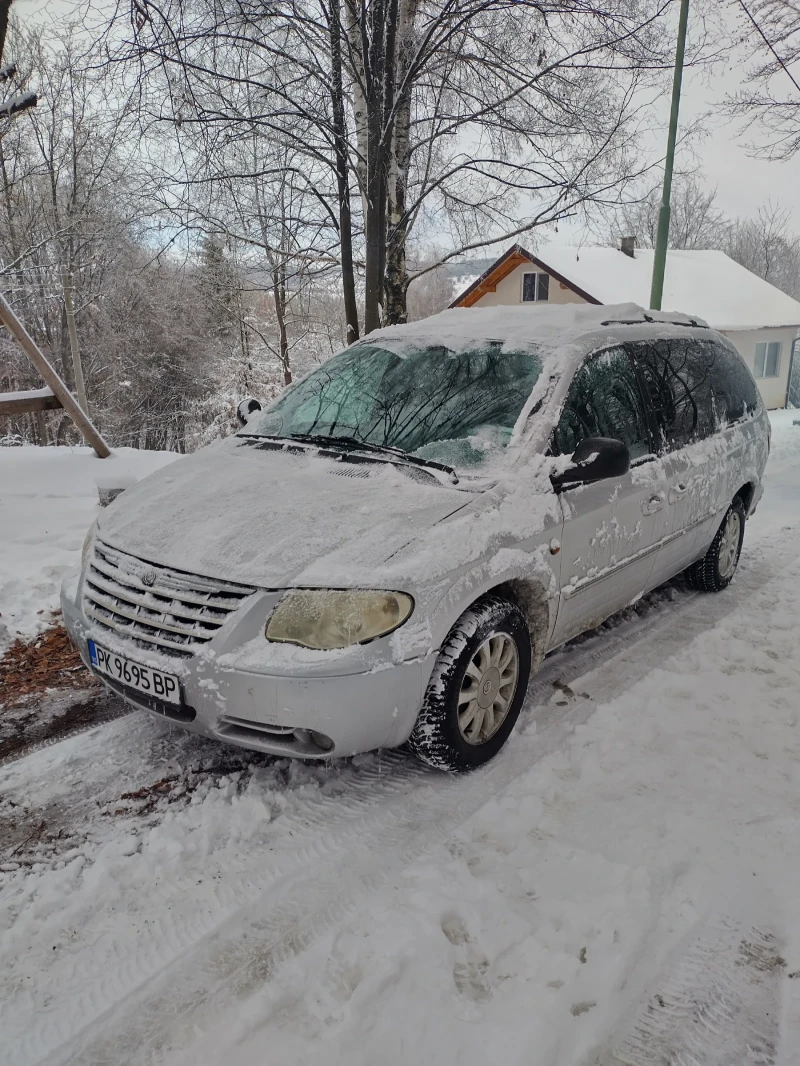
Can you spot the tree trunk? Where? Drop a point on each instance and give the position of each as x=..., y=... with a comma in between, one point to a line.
x=356, y=49
x=342, y=177
x=279, y=288
x=380, y=104
x=374, y=232
x=396, y=280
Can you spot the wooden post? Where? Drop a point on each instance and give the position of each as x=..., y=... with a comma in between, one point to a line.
x=51, y=378
x=41, y=429
x=80, y=388
x=33, y=401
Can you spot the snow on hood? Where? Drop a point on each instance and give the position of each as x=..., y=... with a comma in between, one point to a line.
x=261, y=516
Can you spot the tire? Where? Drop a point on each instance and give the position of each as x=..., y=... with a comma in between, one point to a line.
x=482, y=638
x=714, y=572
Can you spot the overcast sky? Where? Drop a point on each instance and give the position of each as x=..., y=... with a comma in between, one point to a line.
x=743, y=183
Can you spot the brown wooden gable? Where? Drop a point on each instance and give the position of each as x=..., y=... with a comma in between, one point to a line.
x=510, y=260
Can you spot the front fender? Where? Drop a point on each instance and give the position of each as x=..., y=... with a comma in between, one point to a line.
x=529, y=577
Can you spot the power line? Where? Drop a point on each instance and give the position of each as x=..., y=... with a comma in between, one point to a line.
x=769, y=44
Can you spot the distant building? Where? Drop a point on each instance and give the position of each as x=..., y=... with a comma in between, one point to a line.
x=762, y=321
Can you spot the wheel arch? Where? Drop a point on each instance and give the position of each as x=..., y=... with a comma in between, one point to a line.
x=530, y=595
x=746, y=494
x=532, y=589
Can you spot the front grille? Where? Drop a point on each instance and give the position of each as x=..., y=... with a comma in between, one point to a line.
x=156, y=606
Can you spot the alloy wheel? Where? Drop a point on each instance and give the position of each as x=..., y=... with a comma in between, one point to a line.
x=488, y=688
x=729, y=545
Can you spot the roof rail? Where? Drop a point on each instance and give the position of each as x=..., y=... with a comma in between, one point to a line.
x=649, y=319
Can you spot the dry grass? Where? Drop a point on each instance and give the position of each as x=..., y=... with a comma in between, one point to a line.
x=49, y=661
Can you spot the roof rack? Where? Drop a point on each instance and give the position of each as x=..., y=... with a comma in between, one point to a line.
x=649, y=318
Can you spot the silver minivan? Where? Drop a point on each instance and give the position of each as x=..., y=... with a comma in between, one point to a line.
x=385, y=554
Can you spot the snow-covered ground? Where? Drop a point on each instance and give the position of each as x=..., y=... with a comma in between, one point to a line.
x=618, y=886
x=48, y=500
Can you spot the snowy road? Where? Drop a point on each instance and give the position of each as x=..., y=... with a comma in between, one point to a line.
x=189, y=903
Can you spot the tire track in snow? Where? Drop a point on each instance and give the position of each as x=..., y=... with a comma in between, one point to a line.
x=399, y=811
x=716, y=1004
x=94, y=708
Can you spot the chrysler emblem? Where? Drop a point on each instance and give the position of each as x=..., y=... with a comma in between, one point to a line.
x=149, y=578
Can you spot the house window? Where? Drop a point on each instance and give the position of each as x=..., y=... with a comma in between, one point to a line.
x=535, y=287
x=768, y=359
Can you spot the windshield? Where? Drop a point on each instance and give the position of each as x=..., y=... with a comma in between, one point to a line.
x=457, y=408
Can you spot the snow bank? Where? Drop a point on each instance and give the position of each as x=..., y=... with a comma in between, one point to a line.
x=48, y=500
x=785, y=448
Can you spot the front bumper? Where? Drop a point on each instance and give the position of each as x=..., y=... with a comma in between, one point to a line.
x=272, y=712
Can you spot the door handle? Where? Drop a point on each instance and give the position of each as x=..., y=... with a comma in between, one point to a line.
x=655, y=503
x=677, y=492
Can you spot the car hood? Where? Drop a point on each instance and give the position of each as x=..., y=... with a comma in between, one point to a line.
x=243, y=512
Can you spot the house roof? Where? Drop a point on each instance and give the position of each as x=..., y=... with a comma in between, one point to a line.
x=704, y=283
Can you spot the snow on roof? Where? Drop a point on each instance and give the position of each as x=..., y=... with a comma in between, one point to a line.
x=518, y=327
x=706, y=283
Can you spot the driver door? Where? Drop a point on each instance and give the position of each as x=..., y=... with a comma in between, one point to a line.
x=612, y=528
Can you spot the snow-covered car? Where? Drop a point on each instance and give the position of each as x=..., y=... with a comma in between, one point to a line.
x=387, y=552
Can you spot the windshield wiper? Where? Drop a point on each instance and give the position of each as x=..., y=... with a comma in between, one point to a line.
x=348, y=442
x=353, y=444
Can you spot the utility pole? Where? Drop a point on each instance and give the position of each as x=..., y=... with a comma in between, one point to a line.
x=662, y=237
x=80, y=387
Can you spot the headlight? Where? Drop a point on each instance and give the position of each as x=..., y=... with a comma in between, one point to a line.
x=329, y=618
x=87, y=544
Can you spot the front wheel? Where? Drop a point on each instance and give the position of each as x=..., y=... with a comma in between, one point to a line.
x=714, y=572
x=477, y=688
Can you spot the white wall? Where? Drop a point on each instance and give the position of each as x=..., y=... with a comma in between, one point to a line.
x=772, y=389
x=509, y=291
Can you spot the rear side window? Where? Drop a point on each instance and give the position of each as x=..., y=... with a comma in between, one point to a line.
x=604, y=400
x=678, y=376
x=735, y=393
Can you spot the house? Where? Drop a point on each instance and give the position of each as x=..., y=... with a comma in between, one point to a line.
x=762, y=321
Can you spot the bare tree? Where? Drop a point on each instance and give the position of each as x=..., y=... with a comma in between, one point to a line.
x=695, y=220
x=767, y=246
x=415, y=104
x=63, y=174
x=771, y=101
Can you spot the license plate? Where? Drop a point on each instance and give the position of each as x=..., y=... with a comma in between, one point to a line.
x=134, y=675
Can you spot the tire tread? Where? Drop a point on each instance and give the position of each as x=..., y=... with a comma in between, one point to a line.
x=428, y=740
x=704, y=575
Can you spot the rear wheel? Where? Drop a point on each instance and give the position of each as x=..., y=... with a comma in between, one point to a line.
x=714, y=572
x=477, y=688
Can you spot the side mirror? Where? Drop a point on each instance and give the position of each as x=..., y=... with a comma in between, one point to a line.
x=595, y=459
x=247, y=408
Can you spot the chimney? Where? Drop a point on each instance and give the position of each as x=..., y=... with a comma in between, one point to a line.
x=627, y=246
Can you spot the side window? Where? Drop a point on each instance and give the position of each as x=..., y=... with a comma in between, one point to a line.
x=768, y=359
x=678, y=377
x=604, y=400
x=734, y=390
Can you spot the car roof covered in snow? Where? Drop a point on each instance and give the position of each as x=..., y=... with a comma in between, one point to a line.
x=519, y=328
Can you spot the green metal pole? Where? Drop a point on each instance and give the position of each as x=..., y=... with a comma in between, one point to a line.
x=662, y=237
